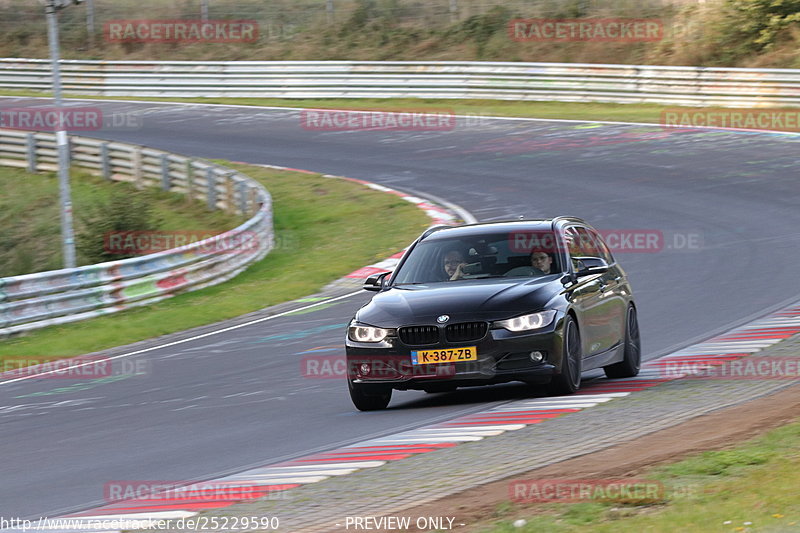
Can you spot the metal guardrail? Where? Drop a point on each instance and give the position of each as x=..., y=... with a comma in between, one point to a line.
x=59, y=296
x=565, y=82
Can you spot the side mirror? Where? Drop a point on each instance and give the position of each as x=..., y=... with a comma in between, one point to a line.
x=375, y=282
x=585, y=266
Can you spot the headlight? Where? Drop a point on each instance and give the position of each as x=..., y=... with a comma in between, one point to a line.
x=366, y=333
x=527, y=322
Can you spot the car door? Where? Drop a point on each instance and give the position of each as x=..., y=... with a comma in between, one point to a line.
x=586, y=297
x=610, y=318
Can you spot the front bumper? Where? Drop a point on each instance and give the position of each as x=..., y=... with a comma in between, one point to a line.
x=503, y=356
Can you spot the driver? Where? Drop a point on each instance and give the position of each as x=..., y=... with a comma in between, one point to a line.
x=453, y=264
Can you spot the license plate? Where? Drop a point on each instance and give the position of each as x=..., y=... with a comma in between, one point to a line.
x=444, y=355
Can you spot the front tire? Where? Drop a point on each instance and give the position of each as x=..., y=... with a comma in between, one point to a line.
x=632, y=359
x=569, y=380
x=368, y=402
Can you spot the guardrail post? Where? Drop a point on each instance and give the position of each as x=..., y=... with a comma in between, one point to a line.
x=136, y=166
x=211, y=184
x=698, y=88
x=253, y=200
x=165, y=182
x=243, y=197
x=31, y=148
x=229, y=203
x=190, y=180
x=105, y=162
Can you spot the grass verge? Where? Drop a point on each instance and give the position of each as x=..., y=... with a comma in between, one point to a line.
x=649, y=113
x=324, y=227
x=751, y=487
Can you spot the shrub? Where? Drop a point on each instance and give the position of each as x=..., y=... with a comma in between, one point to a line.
x=126, y=210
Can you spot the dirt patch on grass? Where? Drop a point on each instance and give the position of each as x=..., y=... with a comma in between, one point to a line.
x=717, y=430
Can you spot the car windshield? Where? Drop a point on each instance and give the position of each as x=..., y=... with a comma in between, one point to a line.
x=479, y=257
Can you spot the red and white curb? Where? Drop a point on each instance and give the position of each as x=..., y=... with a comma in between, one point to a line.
x=447, y=214
x=439, y=217
x=275, y=479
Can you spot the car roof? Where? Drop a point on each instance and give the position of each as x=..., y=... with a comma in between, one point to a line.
x=482, y=228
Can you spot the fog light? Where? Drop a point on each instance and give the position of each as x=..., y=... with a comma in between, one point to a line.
x=365, y=369
x=537, y=357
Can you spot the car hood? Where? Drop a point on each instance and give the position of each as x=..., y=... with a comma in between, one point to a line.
x=463, y=301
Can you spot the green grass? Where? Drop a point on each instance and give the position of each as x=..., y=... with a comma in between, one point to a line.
x=480, y=108
x=325, y=228
x=751, y=487
x=29, y=214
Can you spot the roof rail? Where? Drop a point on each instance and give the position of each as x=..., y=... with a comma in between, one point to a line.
x=433, y=229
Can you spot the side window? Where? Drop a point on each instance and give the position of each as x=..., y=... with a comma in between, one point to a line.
x=587, y=243
x=572, y=240
x=603, y=250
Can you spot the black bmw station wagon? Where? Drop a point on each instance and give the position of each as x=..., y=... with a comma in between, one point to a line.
x=537, y=301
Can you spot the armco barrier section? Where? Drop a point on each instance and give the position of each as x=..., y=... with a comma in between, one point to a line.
x=37, y=300
x=565, y=82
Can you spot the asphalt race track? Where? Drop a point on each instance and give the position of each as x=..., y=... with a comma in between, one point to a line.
x=726, y=204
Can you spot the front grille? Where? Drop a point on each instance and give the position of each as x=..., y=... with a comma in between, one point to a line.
x=466, y=331
x=413, y=335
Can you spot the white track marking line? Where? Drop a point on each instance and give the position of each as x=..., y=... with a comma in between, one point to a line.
x=334, y=463
x=424, y=440
x=196, y=337
x=270, y=475
x=504, y=427
x=285, y=480
x=561, y=401
x=317, y=468
x=544, y=407
x=475, y=431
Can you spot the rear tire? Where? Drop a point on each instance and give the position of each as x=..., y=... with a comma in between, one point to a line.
x=569, y=380
x=632, y=359
x=368, y=402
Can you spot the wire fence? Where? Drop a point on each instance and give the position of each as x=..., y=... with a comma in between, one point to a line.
x=284, y=19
